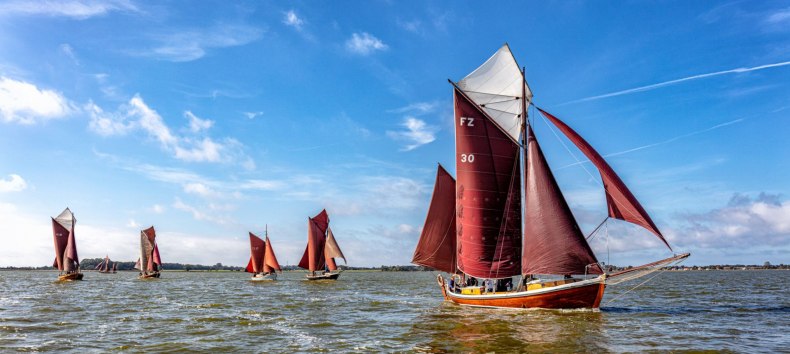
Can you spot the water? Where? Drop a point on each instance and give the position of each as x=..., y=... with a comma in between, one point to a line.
x=743, y=311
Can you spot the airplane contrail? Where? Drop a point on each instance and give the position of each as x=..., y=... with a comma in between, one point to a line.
x=676, y=81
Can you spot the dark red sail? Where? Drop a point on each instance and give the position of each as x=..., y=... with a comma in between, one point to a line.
x=553, y=242
x=488, y=198
x=61, y=236
x=257, y=251
x=313, y=258
x=622, y=203
x=156, y=259
x=436, y=247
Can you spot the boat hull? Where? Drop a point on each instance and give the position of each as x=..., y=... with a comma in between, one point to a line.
x=149, y=276
x=266, y=277
x=326, y=276
x=585, y=294
x=70, y=277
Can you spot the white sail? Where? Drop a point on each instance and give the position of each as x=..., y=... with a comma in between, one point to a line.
x=66, y=219
x=498, y=86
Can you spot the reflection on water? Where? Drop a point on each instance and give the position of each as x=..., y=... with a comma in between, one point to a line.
x=380, y=311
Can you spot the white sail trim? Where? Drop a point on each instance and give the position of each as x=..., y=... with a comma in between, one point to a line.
x=66, y=219
x=498, y=86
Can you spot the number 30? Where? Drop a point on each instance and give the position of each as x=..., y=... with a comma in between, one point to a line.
x=467, y=158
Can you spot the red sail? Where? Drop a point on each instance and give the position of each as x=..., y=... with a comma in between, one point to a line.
x=488, y=198
x=61, y=236
x=71, y=258
x=622, y=203
x=156, y=259
x=270, y=263
x=322, y=220
x=257, y=250
x=553, y=242
x=313, y=258
x=436, y=247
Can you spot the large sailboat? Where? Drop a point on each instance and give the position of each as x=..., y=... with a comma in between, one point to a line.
x=104, y=266
x=263, y=263
x=322, y=249
x=149, y=263
x=66, y=259
x=501, y=247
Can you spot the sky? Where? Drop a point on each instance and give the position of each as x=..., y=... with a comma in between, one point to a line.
x=213, y=119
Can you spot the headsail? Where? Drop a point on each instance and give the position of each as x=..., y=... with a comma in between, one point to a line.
x=622, y=203
x=498, y=87
x=553, y=242
x=270, y=260
x=332, y=250
x=436, y=247
x=488, y=197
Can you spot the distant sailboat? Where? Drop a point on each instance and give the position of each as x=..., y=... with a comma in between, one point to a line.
x=263, y=263
x=115, y=267
x=474, y=225
x=66, y=259
x=104, y=266
x=149, y=263
x=322, y=249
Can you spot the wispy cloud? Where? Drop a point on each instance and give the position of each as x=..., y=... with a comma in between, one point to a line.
x=417, y=108
x=252, y=115
x=76, y=9
x=14, y=183
x=677, y=81
x=137, y=115
x=68, y=51
x=24, y=103
x=364, y=44
x=291, y=19
x=193, y=44
x=417, y=133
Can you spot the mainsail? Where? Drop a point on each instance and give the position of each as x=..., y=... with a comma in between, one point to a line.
x=322, y=248
x=436, y=248
x=488, y=197
x=66, y=258
x=257, y=252
x=149, y=252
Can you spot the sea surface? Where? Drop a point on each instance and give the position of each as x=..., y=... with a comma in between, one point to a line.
x=730, y=311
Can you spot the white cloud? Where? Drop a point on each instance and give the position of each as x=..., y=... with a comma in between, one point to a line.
x=133, y=224
x=291, y=19
x=199, y=189
x=138, y=115
x=417, y=133
x=158, y=209
x=191, y=45
x=259, y=184
x=24, y=103
x=69, y=52
x=252, y=115
x=196, y=124
x=200, y=214
x=15, y=183
x=417, y=108
x=364, y=44
x=77, y=9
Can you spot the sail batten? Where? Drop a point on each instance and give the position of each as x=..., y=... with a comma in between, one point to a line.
x=622, y=204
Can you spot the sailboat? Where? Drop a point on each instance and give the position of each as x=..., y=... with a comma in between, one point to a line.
x=104, y=266
x=115, y=268
x=149, y=263
x=504, y=248
x=322, y=249
x=263, y=263
x=66, y=259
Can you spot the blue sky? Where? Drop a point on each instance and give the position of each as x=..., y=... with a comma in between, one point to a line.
x=209, y=120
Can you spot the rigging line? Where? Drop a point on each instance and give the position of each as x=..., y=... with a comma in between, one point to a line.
x=590, y=236
x=503, y=227
x=570, y=152
x=659, y=272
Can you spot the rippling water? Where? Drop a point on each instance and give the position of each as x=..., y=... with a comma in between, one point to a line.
x=743, y=311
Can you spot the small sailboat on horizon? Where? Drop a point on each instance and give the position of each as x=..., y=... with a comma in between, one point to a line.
x=474, y=228
x=149, y=263
x=104, y=266
x=263, y=263
x=66, y=259
x=322, y=249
